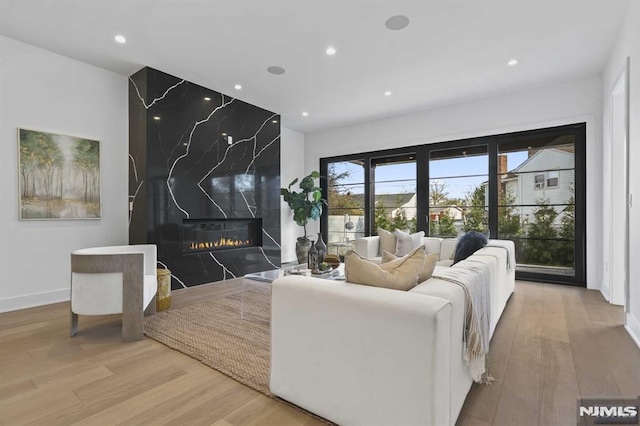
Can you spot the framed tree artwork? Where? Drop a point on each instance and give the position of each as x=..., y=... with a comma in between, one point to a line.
x=59, y=176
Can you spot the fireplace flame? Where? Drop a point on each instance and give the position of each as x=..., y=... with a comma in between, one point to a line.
x=221, y=243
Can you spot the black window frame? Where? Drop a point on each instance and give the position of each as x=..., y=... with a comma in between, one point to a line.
x=422, y=155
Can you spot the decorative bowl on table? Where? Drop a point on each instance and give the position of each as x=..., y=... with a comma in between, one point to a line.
x=333, y=260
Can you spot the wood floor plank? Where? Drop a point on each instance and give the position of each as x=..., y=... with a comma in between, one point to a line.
x=169, y=396
x=217, y=407
x=191, y=396
x=109, y=392
x=481, y=402
x=558, y=384
x=468, y=420
x=507, y=327
x=554, y=322
x=254, y=412
x=221, y=422
x=40, y=403
x=595, y=378
x=73, y=380
x=113, y=387
x=519, y=402
x=623, y=357
x=9, y=390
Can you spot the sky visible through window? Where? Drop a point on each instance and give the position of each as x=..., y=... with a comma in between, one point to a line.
x=460, y=175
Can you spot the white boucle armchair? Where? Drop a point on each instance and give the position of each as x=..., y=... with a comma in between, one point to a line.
x=114, y=280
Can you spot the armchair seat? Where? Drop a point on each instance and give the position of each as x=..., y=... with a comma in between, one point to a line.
x=114, y=280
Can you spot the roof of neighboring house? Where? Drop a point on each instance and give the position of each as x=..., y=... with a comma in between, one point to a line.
x=389, y=200
x=528, y=160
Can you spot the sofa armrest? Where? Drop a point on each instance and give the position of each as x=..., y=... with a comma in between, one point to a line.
x=340, y=350
x=368, y=247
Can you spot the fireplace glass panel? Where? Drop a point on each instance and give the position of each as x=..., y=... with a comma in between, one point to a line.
x=205, y=235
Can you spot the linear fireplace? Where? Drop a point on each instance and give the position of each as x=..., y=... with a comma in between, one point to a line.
x=205, y=235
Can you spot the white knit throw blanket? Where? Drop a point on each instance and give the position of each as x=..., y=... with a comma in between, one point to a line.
x=511, y=256
x=473, y=278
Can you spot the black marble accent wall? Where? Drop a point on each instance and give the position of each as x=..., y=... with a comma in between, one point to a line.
x=198, y=154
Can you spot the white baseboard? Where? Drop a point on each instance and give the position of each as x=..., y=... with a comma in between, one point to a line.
x=633, y=328
x=604, y=289
x=33, y=300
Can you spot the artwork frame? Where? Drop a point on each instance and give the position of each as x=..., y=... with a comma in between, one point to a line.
x=59, y=176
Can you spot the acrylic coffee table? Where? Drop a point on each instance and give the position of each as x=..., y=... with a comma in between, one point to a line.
x=267, y=277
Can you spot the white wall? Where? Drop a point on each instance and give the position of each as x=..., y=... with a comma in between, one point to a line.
x=578, y=100
x=291, y=167
x=628, y=45
x=41, y=90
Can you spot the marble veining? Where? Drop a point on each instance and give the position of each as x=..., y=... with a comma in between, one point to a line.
x=172, y=276
x=186, y=153
x=182, y=166
x=156, y=99
x=132, y=198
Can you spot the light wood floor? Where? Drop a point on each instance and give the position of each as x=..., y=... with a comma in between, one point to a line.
x=552, y=344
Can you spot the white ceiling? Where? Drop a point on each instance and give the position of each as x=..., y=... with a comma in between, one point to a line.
x=452, y=50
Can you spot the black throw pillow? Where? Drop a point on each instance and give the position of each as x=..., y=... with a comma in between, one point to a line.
x=468, y=244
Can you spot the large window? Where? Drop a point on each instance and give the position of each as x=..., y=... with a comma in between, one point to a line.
x=345, y=199
x=528, y=187
x=537, y=202
x=458, y=191
x=394, y=188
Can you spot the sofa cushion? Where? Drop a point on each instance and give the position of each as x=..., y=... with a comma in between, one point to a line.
x=448, y=248
x=406, y=242
x=432, y=245
x=398, y=274
x=427, y=269
x=445, y=262
x=387, y=241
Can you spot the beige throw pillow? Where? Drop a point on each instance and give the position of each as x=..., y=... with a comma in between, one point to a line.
x=387, y=241
x=427, y=270
x=406, y=242
x=399, y=274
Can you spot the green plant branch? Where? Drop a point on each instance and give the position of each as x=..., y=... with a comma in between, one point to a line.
x=307, y=203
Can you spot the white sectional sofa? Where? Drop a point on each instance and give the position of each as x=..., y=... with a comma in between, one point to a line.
x=362, y=355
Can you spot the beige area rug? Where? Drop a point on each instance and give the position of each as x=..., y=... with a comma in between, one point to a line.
x=213, y=333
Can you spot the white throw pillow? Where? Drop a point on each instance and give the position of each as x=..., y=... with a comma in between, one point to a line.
x=406, y=242
x=387, y=241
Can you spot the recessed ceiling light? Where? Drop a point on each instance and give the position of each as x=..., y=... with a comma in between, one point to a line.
x=305, y=114
x=387, y=93
x=120, y=39
x=397, y=22
x=275, y=70
x=512, y=62
x=206, y=98
x=224, y=134
x=275, y=121
x=156, y=117
x=238, y=87
x=330, y=51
